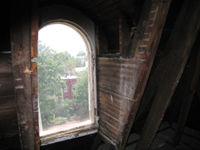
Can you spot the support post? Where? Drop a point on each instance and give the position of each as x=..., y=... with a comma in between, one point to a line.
x=20, y=35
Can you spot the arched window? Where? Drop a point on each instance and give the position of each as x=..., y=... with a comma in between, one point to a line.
x=66, y=72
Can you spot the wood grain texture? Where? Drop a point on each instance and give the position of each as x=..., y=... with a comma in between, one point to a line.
x=117, y=81
x=182, y=44
x=21, y=64
x=144, y=47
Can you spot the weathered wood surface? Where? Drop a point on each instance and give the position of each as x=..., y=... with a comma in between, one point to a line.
x=149, y=29
x=127, y=78
x=34, y=54
x=119, y=76
x=8, y=116
x=35, y=103
x=8, y=121
x=116, y=79
x=68, y=135
x=144, y=47
x=20, y=34
x=181, y=46
x=6, y=76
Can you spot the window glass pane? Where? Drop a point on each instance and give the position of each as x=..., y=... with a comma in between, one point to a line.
x=62, y=79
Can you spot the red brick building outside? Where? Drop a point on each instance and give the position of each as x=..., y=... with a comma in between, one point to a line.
x=70, y=82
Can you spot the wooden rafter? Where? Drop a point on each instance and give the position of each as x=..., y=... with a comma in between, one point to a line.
x=184, y=35
x=143, y=47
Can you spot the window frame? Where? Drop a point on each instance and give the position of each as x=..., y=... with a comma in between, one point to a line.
x=90, y=42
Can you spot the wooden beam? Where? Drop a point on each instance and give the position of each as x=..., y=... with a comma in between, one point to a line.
x=34, y=54
x=149, y=29
x=20, y=33
x=186, y=105
x=143, y=47
x=181, y=46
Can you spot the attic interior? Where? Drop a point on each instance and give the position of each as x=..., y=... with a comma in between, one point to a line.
x=147, y=59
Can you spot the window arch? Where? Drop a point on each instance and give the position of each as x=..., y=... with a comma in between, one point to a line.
x=85, y=28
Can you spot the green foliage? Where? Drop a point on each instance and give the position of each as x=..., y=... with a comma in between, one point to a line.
x=59, y=120
x=71, y=63
x=65, y=108
x=50, y=70
x=51, y=67
x=81, y=95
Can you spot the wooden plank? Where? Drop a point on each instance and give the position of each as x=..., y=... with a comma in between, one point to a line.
x=115, y=62
x=6, y=84
x=186, y=105
x=105, y=75
x=115, y=106
x=8, y=122
x=68, y=134
x=7, y=102
x=121, y=77
x=107, y=118
x=122, y=88
x=6, y=76
x=35, y=103
x=20, y=34
x=8, y=117
x=5, y=63
x=179, y=56
x=149, y=31
x=109, y=131
x=114, y=113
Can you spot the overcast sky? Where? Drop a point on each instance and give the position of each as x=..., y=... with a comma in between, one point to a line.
x=62, y=38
